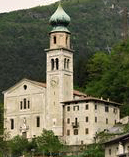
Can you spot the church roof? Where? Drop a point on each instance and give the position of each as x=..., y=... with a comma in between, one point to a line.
x=83, y=96
x=41, y=84
x=59, y=20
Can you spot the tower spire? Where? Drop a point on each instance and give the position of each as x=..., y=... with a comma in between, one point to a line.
x=59, y=20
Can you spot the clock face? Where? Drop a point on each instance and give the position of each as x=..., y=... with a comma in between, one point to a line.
x=54, y=81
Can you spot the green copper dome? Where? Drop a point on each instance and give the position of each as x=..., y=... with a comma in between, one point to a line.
x=59, y=20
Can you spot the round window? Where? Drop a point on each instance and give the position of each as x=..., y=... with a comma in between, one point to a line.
x=25, y=87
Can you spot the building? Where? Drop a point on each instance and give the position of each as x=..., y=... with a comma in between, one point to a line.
x=31, y=106
x=118, y=147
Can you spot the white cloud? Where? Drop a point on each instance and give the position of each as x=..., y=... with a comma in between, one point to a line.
x=10, y=5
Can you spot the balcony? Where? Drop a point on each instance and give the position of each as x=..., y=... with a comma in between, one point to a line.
x=75, y=124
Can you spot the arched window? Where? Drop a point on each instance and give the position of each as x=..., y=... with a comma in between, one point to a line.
x=57, y=63
x=52, y=64
x=54, y=39
x=65, y=63
x=68, y=64
x=24, y=103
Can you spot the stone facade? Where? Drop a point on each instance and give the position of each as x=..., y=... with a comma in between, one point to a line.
x=118, y=147
x=31, y=106
x=83, y=118
x=24, y=106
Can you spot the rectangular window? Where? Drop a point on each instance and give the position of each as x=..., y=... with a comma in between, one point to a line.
x=68, y=121
x=75, y=108
x=87, y=119
x=24, y=134
x=75, y=131
x=95, y=119
x=95, y=106
x=87, y=107
x=106, y=121
x=68, y=132
x=12, y=124
x=106, y=109
x=20, y=105
x=110, y=152
x=87, y=131
x=68, y=108
x=38, y=121
x=114, y=110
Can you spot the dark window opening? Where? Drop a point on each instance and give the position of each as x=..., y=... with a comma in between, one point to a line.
x=95, y=119
x=87, y=131
x=76, y=121
x=68, y=132
x=38, y=121
x=68, y=64
x=12, y=123
x=87, y=107
x=24, y=134
x=81, y=142
x=115, y=110
x=24, y=103
x=106, y=109
x=25, y=87
x=21, y=105
x=95, y=106
x=68, y=108
x=110, y=152
x=65, y=63
x=106, y=121
x=75, y=131
x=52, y=64
x=68, y=121
x=54, y=39
x=57, y=63
x=87, y=119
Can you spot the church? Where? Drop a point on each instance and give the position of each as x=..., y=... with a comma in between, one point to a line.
x=31, y=106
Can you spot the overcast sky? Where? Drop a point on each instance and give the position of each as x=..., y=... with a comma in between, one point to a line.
x=10, y=5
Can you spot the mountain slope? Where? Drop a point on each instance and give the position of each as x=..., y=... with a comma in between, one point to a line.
x=24, y=36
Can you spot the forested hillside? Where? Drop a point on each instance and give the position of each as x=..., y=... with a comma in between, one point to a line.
x=96, y=25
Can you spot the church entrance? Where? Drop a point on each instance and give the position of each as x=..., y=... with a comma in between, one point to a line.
x=24, y=134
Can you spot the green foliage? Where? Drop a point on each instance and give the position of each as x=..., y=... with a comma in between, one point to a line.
x=126, y=128
x=48, y=142
x=24, y=36
x=103, y=136
x=109, y=75
x=1, y=118
x=94, y=150
x=18, y=145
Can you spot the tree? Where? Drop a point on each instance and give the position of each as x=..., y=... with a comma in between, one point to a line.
x=109, y=76
x=18, y=145
x=94, y=150
x=48, y=142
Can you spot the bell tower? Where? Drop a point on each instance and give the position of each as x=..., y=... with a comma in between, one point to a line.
x=59, y=70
